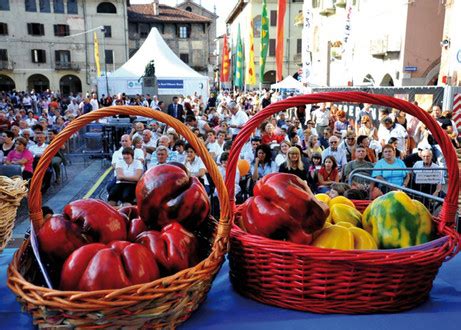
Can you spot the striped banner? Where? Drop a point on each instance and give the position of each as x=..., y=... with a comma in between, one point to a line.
x=457, y=112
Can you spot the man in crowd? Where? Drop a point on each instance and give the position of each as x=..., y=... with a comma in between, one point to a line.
x=238, y=118
x=359, y=162
x=176, y=110
x=321, y=118
x=333, y=150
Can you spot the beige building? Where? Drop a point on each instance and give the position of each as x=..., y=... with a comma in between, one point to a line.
x=44, y=44
x=189, y=30
x=450, y=68
x=244, y=11
x=395, y=43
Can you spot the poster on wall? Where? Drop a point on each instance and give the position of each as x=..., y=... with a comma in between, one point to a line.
x=425, y=101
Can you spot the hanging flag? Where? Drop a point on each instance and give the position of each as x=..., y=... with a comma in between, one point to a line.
x=225, y=65
x=306, y=41
x=96, y=54
x=251, y=74
x=264, y=41
x=279, y=47
x=239, y=61
x=346, y=46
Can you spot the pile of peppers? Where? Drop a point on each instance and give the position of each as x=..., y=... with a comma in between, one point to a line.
x=97, y=247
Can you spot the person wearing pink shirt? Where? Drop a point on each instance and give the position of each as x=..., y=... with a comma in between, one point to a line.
x=21, y=156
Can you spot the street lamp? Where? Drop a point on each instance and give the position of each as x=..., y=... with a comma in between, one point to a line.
x=103, y=30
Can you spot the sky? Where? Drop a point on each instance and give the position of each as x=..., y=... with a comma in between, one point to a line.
x=223, y=8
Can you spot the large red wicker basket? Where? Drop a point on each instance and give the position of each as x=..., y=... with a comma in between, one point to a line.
x=320, y=280
x=163, y=303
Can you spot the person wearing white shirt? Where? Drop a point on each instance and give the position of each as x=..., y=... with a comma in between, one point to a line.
x=212, y=145
x=117, y=156
x=94, y=102
x=333, y=150
x=39, y=147
x=427, y=181
x=238, y=118
x=321, y=118
x=148, y=144
x=391, y=129
x=128, y=171
x=195, y=166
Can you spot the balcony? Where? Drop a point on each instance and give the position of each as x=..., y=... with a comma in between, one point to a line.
x=6, y=65
x=385, y=46
x=68, y=66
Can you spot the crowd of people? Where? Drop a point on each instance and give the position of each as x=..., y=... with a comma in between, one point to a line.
x=320, y=144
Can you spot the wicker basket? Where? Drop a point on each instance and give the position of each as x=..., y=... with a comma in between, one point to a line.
x=320, y=280
x=12, y=191
x=165, y=302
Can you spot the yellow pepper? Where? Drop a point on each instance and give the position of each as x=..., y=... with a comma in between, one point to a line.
x=344, y=236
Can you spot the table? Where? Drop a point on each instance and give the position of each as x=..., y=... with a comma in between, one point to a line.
x=225, y=309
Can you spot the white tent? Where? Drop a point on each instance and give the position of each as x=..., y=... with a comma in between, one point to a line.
x=288, y=83
x=173, y=75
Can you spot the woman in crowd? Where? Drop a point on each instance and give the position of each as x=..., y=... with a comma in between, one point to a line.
x=21, y=156
x=128, y=172
x=283, y=153
x=262, y=164
x=195, y=166
x=8, y=143
x=327, y=174
x=313, y=146
x=341, y=123
x=294, y=164
x=269, y=136
x=389, y=161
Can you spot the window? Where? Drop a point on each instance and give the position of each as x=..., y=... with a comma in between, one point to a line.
x=271, y=47
x=184, y=57
x=315, y=3
x=3, y=55
x=106, y=8
x=4, y=4
x=72, y=7
x=299, y=46
x=38, y=56
x=62, y=57
x=273, y=17
x=3, y=29
x=44, y=6
x=58, y=6
x=183, y=32
x=107, y=31
x=109, y=56
x=189, y=9
x=36, y=29
x=144, y=30
x=31, y=5
x=61, y=30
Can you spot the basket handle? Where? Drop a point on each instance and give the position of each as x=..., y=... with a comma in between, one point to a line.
x=35, y=195
x=450, y=205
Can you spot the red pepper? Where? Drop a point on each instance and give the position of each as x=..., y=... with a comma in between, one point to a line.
x=98, y=266
x=174, y=247
x=82, y=222
x=135, y=225
x=166, y=194
x=97, y=219
x=283, y=208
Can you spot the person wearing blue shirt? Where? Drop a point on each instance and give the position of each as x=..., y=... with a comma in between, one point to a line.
x=389, y=161
x=263, y=163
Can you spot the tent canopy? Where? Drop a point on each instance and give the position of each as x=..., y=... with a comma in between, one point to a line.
x=173, y=75
x=288, y=83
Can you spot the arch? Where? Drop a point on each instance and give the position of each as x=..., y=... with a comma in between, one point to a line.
x=432, y=75
x=106, y=8
x=6, y=83
x=70, y=84
x=387, y=80
x=269, y=77
x=369, y=79
x=38, y=82
x=189, y=9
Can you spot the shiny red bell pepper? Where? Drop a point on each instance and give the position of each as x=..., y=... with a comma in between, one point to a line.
x=174, y=248
x=135, y=225
x=99, y=221
x=59, y=237
x=116, y=265
x=166, y=194
x=82, y=222
x=283, y=208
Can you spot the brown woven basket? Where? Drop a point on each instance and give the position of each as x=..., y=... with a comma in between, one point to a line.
x=12, y=191
x=320, y=280
x=165, y=302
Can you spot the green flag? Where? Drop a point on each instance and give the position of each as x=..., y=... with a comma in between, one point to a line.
x=264, y=41
x=238, y=82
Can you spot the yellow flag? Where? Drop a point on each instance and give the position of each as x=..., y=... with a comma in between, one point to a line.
x=251, y=74
x=96, y=54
